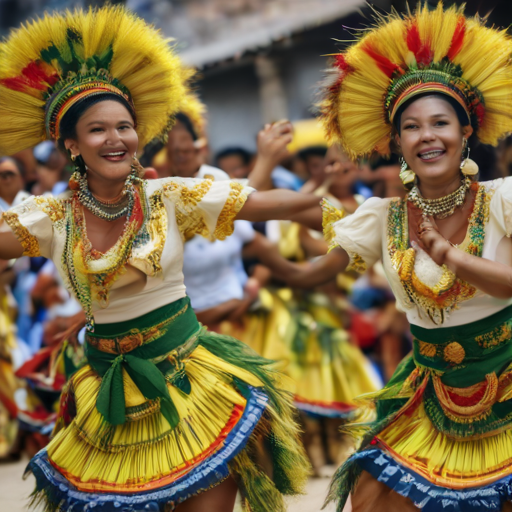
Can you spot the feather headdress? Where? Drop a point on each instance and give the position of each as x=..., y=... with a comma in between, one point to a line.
x=50, y=63
x=438, y=51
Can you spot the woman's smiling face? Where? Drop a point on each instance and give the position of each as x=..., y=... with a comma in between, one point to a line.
x=431, y=139
x=106, y=139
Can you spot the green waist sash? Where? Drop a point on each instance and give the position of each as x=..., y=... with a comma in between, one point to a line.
x=465, y=354
x=150, y=349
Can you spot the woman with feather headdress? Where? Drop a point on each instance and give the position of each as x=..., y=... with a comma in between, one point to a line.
x=425, y=82
x=164, y=414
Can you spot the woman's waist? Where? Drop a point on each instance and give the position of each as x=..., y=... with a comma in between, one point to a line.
x=466, y=354
x=126, y=307
x=164, y=328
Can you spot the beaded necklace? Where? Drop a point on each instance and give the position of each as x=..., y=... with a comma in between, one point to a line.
x=92, y=273
x=442, y=207
x=440, y=299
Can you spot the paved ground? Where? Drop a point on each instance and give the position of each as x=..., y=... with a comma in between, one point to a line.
x=14, y=491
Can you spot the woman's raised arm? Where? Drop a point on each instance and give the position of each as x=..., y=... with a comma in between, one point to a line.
x=278, y=204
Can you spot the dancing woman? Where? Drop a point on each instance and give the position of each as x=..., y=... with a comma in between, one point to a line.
x=443, y=434
x=165, y=414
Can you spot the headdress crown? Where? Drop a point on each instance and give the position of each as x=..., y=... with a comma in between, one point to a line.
x=436, y=51
x=51, y=63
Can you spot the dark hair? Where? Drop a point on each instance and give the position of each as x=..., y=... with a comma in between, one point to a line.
x=187, y=124
x=67, y=126
x=17, y=163
x=244, y=155
x=305, y=153
x=462, y=115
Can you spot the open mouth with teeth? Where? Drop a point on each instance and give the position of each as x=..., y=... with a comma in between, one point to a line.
x=115, y=156
x=431, y=155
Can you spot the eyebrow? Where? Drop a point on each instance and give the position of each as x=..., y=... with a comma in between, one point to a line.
x=103, y=122
x=411, y=118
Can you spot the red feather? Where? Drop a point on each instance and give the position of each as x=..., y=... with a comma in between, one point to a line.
x=341, y=63
x=422, y=51
x=413, y=39
x=385, y=65
x=33, y=76
x=458, y=38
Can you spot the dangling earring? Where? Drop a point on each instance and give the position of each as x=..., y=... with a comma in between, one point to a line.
x=406, y=175
x=77, y=177
x=468, y=167
x=137, y=169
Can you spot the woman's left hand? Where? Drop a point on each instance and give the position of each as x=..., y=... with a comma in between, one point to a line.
x=432, y=241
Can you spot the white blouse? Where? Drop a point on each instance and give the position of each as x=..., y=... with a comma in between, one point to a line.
x=430, y=295
x=214, y=271
x=177, y=209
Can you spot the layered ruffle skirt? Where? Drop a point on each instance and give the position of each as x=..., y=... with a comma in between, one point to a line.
x=163, y=411
x=443, y=434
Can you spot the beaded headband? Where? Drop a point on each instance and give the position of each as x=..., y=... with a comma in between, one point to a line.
x=421, y=82
x=60, y=102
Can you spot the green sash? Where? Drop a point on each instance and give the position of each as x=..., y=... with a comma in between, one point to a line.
x=486, y=347
x=148, y=364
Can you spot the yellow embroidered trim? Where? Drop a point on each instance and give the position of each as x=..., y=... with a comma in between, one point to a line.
x=495, y=337
x=234, y=203
x=330, y=215
x=427, y=349
x=356, y=263
x=189, y=218
x=54, y=208
x=454, y=353
x=28, y=241
x=157, y=229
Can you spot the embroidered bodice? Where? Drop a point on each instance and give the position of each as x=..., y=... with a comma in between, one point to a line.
x=430, y=295
x=173, y=210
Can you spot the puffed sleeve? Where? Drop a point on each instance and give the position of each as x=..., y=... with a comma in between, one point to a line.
x=205, y=207
x=359, y=234
x=501, y=204
x=31, y=222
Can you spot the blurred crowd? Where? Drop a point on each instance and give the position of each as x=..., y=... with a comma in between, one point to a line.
x=39, y=319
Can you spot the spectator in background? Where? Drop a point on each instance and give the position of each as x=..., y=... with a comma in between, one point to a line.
x=50, y=168
x=11, y=183
x=237, y=162
x=312, y=159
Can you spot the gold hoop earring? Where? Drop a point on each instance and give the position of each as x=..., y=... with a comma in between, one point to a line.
x=468, y=167
x=406, y=174
x=73, y=158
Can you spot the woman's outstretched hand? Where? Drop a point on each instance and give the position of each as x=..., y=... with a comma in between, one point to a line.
x=432, y=241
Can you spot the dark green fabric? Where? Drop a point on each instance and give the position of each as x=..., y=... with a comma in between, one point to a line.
x=147, y=376
x=478, y=361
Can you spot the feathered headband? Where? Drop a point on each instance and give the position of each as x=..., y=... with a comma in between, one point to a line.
x=438, y=51
x=51, y=63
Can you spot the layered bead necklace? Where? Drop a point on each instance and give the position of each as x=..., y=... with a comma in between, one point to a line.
x=109, y=210
x=92, y=273
x=442, y=207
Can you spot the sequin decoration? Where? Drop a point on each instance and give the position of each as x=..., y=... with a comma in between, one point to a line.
x=29, y=242
x=438, y=300
x=234, y=203
x=189, y=217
